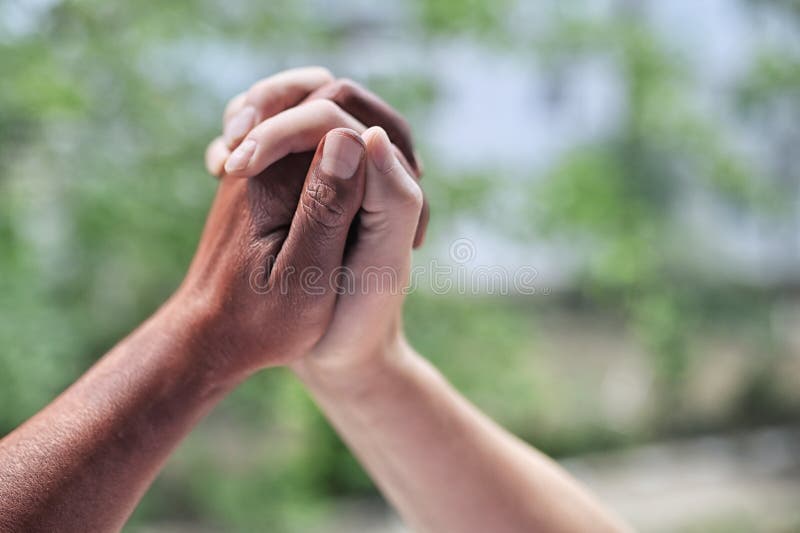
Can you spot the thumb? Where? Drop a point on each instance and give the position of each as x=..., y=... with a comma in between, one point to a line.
x=390, y=211
x=329, y=201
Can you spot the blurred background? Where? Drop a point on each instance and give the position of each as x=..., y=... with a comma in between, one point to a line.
x=642, y=156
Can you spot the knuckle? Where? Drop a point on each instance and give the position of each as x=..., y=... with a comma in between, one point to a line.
x=323, y=73
x=264, y=90
x=411, y=194
x=345, y=88
x=326, y=110
x=322, y=205
x=279, y=97
x=234, y=103
x=394, y=168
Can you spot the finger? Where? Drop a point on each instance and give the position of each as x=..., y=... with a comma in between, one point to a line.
x=390, y=210
x=422, y=224
x=331, y=197
x=234, y=105
x=371, y=110
x=424, y=216
x=268, y=97
x=216, y=155
x=295, y=130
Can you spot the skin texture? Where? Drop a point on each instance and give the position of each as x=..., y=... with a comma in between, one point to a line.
x=251, y=110
x=443, y=464
x=261, y=236
x=84, y=461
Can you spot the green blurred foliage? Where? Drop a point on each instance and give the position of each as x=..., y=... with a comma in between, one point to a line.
x=622, y=195
x=103, y=195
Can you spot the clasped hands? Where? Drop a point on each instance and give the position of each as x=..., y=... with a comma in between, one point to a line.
x=303, y=262
x=307, y=246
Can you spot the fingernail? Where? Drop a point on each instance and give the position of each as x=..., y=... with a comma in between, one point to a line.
x=240, y=157
x=381, y=153
x=239, y=124
x=341, y=155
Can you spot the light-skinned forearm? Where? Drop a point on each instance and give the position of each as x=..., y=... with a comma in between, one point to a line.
x=443, y=464
x=84, y=461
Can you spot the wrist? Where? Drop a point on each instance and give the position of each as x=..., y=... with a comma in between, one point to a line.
x=182, y=334
x=355, y=377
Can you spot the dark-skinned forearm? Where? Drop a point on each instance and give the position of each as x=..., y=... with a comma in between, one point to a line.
x=83, y=462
